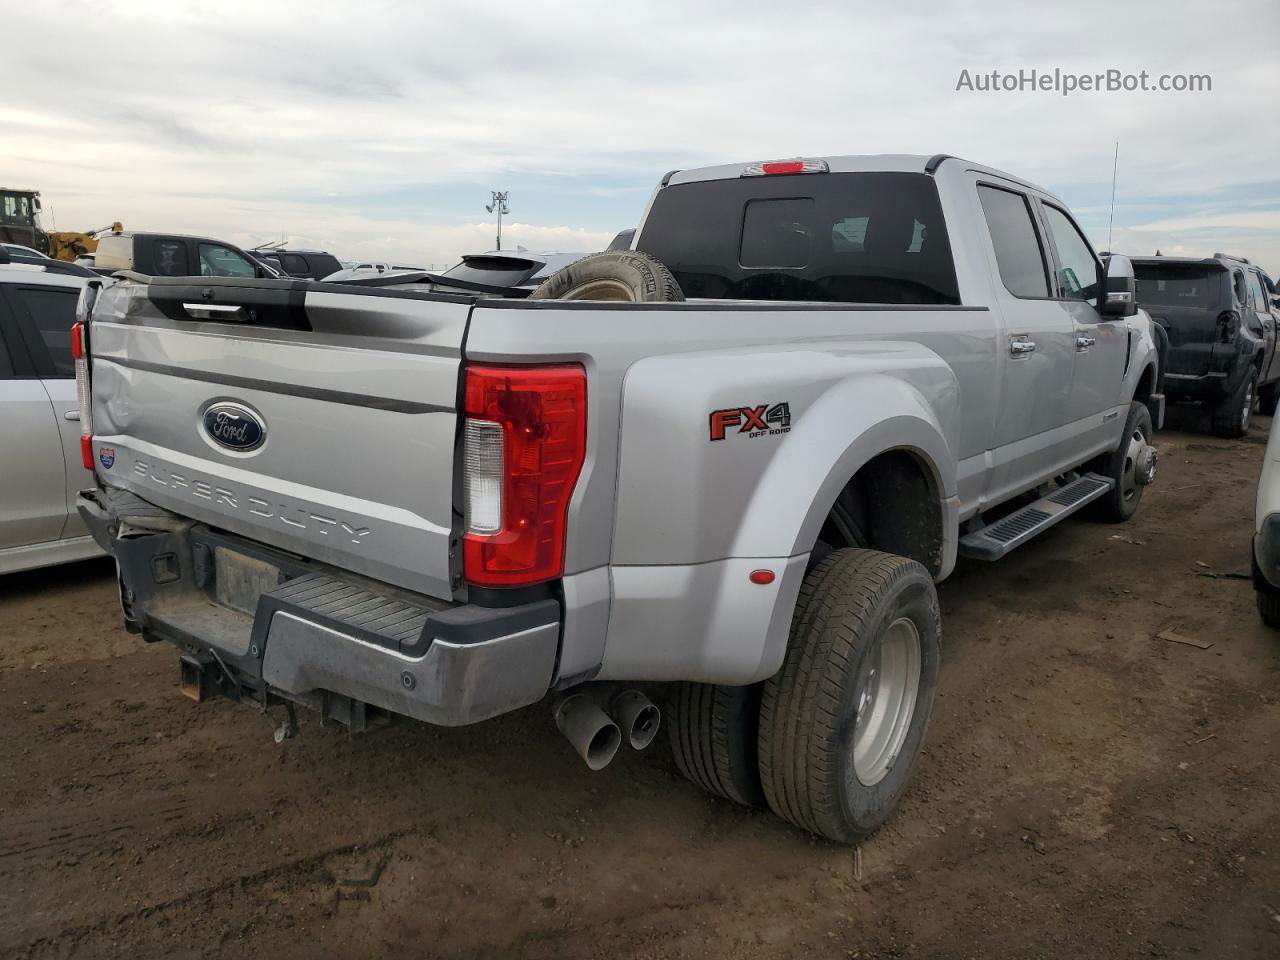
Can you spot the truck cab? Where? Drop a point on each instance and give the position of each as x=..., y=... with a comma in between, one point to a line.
x=177, y=255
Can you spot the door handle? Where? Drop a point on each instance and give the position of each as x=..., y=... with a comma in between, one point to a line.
x=71, y=415
x=214, y=311
x=1020, y=343
x=1084, y=343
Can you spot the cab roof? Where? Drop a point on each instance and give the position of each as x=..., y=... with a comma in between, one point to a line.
x=863, y=163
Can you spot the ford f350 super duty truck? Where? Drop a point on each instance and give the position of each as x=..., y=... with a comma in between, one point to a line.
x=444, y=504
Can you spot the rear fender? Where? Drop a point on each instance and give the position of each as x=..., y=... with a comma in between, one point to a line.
x=703, y=501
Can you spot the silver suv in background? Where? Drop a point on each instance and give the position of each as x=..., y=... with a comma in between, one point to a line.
x=41, y=469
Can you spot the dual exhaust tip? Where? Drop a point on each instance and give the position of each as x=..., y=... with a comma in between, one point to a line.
x=596, y=719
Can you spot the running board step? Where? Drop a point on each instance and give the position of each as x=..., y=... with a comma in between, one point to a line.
x=994, y=541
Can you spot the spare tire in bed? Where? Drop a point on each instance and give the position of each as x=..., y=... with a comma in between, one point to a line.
x=621, y=276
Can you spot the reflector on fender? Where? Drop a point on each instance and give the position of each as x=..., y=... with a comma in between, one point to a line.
x=524, y=442
x=774, y=167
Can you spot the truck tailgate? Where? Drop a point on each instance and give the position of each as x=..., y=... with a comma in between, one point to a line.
x=352, y=396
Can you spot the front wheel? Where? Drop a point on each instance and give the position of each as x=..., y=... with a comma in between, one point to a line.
x=842, y=723
x=1130, y=467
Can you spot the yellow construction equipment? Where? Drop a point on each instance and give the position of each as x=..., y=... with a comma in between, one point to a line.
x=20, y=224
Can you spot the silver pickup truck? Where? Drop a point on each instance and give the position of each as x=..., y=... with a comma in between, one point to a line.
x=409, y=499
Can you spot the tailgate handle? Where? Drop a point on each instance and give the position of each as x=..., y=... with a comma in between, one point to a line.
x=214, y=311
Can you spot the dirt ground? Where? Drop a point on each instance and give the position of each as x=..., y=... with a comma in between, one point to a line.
x=1087, y=790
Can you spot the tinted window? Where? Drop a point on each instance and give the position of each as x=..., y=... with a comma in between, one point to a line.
x=294, y=264
x=1077, y=268
x=1241, y=290
x=496, y=271
x=171, y=258
x=779, y=233
x=6, y=365
x=845, y=238
x=219, y=261
x=1017, y=244
x=1174, y=285
x=51, y=312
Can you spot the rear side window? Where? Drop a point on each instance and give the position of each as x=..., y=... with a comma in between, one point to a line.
x=1176, y=285
x=1019, y=254
x=293, y=264
x=171, y=258
x=45, y=315
x=842, y=238
x=1255, y=291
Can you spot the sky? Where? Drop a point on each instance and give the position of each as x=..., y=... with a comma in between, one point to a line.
x=377, y=130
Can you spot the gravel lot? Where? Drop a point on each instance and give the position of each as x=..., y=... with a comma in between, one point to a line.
x=1087, y=791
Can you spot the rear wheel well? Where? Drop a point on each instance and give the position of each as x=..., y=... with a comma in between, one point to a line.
x=891, y=504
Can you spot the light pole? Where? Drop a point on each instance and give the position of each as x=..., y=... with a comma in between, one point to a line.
x=500, y=207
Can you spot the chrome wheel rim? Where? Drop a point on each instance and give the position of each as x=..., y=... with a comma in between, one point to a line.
x=1248, y=406
x=886, y=702
x=1129, y=486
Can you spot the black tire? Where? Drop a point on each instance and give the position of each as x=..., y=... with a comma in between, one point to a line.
x=1268, y=399
x=713, y=737
x=626, y=276
x=809, y=709
x=1268, y=606
x=1121, y=502
x=1230, y=418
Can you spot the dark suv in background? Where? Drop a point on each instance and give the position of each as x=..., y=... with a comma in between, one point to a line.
x=310, y=264
x=1221, y=316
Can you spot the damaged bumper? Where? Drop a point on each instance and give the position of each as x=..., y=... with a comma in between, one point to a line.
x=258, y=624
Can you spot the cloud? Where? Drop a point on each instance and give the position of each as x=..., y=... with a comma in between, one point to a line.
x=386, y=125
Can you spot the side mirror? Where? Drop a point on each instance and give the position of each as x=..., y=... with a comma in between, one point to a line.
x=36, y=201
x=1120, y=295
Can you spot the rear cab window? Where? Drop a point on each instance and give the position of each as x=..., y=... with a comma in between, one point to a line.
x=826, y=237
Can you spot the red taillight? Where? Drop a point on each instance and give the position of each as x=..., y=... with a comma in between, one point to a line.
x=524, y=444
x=80, y=353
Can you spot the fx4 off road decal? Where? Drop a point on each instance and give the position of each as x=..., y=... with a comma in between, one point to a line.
x=765, y=420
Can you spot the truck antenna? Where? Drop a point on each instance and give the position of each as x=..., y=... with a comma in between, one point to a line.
x=1115, y=165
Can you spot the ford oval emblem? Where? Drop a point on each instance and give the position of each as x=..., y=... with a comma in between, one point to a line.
x=234, y=426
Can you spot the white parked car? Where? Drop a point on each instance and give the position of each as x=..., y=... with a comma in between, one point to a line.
x=41, y=469
x=1266, y=533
